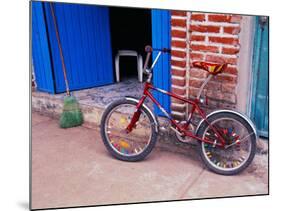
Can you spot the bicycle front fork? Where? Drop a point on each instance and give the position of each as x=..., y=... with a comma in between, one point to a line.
x=136, y=115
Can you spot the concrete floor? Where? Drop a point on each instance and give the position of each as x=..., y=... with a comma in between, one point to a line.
x=71, y=167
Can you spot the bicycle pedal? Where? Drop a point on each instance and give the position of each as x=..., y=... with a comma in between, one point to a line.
x=187, y=140
x=183, y=139
x=163, y=130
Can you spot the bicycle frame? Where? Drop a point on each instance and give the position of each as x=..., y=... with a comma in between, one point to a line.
x=193, y=102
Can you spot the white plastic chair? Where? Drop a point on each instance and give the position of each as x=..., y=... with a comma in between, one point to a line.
x=128, y=53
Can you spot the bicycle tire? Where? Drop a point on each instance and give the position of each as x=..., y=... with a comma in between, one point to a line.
x=203, y=154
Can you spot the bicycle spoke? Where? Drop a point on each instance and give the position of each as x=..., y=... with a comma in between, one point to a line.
x=239, y=141
x=227, y=158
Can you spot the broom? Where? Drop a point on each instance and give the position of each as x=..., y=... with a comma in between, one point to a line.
x=71, y=115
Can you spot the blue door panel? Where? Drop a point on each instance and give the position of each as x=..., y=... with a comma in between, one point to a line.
x=40, y=50
x=85, y=39
x=161, y=39
x=260, y=88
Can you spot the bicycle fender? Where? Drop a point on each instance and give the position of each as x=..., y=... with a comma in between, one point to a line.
x=246, y=118
x=133, y=99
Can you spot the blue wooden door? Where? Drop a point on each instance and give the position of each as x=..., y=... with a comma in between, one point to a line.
x=161, y=39
x=259, y=107
x=40, y=50
x=85, y=39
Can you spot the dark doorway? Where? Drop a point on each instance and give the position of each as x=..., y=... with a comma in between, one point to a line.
x=130, y=30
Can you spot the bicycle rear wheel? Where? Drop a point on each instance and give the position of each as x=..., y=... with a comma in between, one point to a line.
x=240, y=137
x=132, y=146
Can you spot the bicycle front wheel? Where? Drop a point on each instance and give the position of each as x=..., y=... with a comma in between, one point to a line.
x=240, y=140
x=132, y=146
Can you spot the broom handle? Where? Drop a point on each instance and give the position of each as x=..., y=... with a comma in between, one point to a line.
x=60, y=49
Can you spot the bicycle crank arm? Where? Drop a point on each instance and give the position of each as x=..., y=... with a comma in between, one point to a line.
x=176, y=131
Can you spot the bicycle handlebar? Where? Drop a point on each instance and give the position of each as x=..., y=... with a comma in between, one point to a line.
x=148, y=49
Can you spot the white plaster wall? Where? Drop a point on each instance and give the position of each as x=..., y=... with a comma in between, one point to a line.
x=245, y=64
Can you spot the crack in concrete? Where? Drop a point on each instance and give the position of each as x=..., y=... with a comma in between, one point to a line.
x=181, y=195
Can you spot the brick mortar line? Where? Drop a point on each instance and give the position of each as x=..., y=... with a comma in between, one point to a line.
x=178, y=68
x=222, y=55
x=188, y=51
x=177, y=39
x=177, y=58
x=176, y=17
x=211, y=23
x=229, y=56
x=178, y=87
x=199, y=13
x=178, y=77
x=178, y=49
x=181, y=69
x=214, y=44
x=178, y=28
x=197, y=79
x=219, y=34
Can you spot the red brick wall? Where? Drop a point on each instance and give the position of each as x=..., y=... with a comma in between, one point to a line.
x=207, y=37
x=179, y=61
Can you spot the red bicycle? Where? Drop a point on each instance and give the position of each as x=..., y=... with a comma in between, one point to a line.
x=227, y=138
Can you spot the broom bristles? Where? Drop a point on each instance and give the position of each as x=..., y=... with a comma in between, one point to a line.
x=71, y=115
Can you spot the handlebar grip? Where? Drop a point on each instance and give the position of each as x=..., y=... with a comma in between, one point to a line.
x=148, y=48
